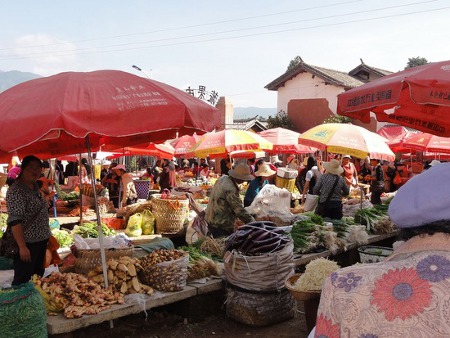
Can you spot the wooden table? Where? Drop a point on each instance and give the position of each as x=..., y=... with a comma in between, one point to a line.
x=59, y=324
x=303, y=259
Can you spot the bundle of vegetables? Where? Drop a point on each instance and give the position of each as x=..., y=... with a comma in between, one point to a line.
x=62, y=195
x=213, y=247
x=370, y=216
x=315, y=274
x=257, y=238
x=122, y=276
x=74, y=294
x=307, y=234
x=89, y=230
x=64, y=238
x=200, y=265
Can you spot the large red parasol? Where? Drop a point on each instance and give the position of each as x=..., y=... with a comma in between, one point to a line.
x=285, y=141
x=163, y=150
x=51, y=116
x=184, y=144
x=428, y=143
x=418, y=97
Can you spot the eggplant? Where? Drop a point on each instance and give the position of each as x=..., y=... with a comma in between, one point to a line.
x=268, y=248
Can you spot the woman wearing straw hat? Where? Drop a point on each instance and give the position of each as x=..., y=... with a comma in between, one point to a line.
x=331, y=187
x=225, y=203
x=262, y=178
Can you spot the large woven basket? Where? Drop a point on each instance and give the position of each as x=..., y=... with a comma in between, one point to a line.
x=88, y=259
x=300, y=295
x=259, y=309
x=170, y=214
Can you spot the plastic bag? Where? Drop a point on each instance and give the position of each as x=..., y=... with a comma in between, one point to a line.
x=148, y=223
x=134, y=226
x=271, y=201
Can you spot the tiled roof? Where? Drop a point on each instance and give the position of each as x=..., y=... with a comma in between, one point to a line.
x=330, y=76
x=363, y=66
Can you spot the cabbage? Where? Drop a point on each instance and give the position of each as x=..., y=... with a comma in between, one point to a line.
x=148, y=223
x=134, y=226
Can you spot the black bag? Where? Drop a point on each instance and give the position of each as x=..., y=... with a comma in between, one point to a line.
x=378, y=187
x=321, y=206
x=320, y=209
x=8, y=245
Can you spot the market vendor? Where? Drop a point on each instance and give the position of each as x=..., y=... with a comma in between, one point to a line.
x=262, y=178
x=407, y=294
x=129, y=194
x=225, y=203
x=350, y=174
x=29, y=222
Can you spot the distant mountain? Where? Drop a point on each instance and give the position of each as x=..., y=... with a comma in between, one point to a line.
x=245, y=112
x=13, y=77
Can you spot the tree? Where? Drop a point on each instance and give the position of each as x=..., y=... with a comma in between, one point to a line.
x=337, y=119
x=417, y=61
x=280, y=120
x=294, y=62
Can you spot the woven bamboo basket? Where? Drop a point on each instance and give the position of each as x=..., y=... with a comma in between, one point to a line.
x=259, y=309
x=170, y=214
x=88, y=259
x=300, y=295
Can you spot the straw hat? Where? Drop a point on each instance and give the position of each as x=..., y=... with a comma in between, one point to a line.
x=434, y=163
x=265, y=171
x=120, y=167
x=333, y=167
x=241, y=172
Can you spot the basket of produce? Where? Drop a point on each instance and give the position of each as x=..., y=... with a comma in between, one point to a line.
x=308, y=285
x=298, y=294
x=122, y=276
x=258, y=257
x=88, y=259
x=165, y=270
x=373, y=254
x=170, y=214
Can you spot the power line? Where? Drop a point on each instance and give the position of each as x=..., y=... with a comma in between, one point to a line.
x=241, y=36
x=241, y=29
x=192, y=26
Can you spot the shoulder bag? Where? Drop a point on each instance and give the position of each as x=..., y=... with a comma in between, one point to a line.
x=320, y=209
x=8, y=244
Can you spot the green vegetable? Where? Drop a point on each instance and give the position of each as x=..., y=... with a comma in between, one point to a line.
x=89, y=230
x=64, y=238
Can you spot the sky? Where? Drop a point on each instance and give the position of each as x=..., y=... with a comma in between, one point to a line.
x=231, y=47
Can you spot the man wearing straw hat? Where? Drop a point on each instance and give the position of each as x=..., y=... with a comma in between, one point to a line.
x=225, y=204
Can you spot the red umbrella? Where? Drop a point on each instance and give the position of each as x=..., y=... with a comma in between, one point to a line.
x=184, y=144
x=396, y=136
x=163, y=150
x=417, y=97
x=285, y=141
x=428, y=142
x=51, y=116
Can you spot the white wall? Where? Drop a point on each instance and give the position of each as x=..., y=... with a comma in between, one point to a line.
x=304, y=86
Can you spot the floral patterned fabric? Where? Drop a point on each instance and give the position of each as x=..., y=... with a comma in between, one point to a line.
x=408, y=295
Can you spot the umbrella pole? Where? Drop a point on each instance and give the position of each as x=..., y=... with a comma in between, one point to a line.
x=97, y=213
x=80, y=185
